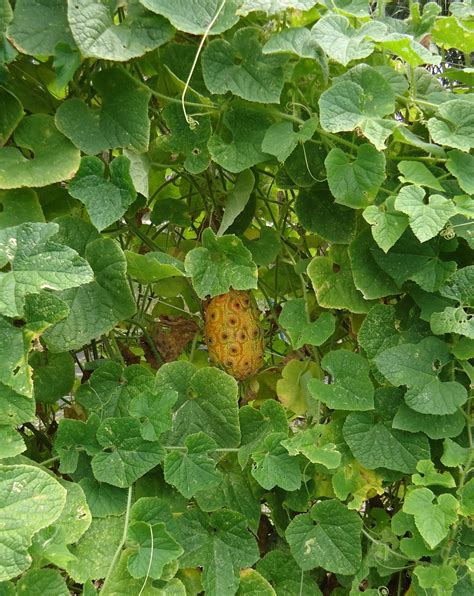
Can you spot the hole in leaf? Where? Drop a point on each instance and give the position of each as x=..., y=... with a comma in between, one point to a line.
x=335, y=268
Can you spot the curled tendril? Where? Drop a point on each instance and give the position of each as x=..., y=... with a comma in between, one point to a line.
x=448, y=232
x=291, y=104
x=383, y=590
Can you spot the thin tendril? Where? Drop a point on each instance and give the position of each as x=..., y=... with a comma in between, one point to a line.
x=193, y=123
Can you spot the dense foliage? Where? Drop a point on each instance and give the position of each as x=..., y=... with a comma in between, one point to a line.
x=155, y=154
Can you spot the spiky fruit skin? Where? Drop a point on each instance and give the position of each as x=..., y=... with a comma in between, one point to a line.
x=233, y=333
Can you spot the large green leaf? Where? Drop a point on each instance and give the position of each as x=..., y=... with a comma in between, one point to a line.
x=11, y=112
x=126, y=456
x=195, y=16
x=240, y=66
x=454, y=125
x=38, y=582
x=355, y=183
x=154, y=549
x=54, y=157
x=274, y=466
x=97, y=306
x=387, y=223
x=341, y=41
x=98, y=35
x=31, y=499
x=417, y=366
x=427, y=216
x=106, y=200
x=210, y=406
x=351, y=387
x=219, y=264
x=272, y=6
x=294, y=318
x=121, y=121
x=192, y=470
x=38, y=26
x=360, y=100
x=37, y=263
x=333, y=281
x=240, y=147
x=219, y=543
x=432, y=519
x=328, y=537
x=281, y=139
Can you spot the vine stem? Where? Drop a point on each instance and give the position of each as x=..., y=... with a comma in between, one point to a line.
x=193, y=123
x=122, y=541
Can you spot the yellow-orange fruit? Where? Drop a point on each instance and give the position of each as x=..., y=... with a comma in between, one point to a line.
x=233, y=333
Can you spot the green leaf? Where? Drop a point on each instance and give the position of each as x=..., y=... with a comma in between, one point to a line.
x=281, y=139
x=417, y=173
x=54, y=159
x=461, y=165
x=300, y=42
x=418, y=367
x=11, y=442
x=341, y=41
x=240, y=146
x=42, y=582
x=95, y=550
x=435, y=427
x=375, y=444
x=410, y=260
x=191, y=142
x=210, y=406
x=30, y=499
x=272, y=6
x=328, y=537
x=450, y=32
x=192, y=470
x=453, y=454
x=220, y=544
x=440, y=578
x=195, y=16
x=73, y=435
x=99, y=35
x=251, y=582
x=19, y=205
x=333, y=281
x=453, y=126
x=273, y=466
x=432, y=519
x=355, y=183
x=37, y=263
x=317, y=212
x=106, y=200
x=429, y=476
x=154, y=411
x=360, y=100
x=427, y=216
x=15, y=371
x=153, y=549
x=452, y=320
x=292, y=388
x=369, y=278
x=219, y=264
x=265, y=248
x=97, y=307
x=281, y=570
x=53, y=375
x=103, y=499
x=294, y=318
x=16, y=408
x=460, y=286
x=387, y=223
x=37, y=27
x=307, y=443
x=240, y=67
x=121, y=121
x=237, y=199
x=153, y=266
x=127, y=456
x=11, y=112
x=351, y=387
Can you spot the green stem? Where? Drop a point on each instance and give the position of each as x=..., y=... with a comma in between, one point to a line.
x=122, y=541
